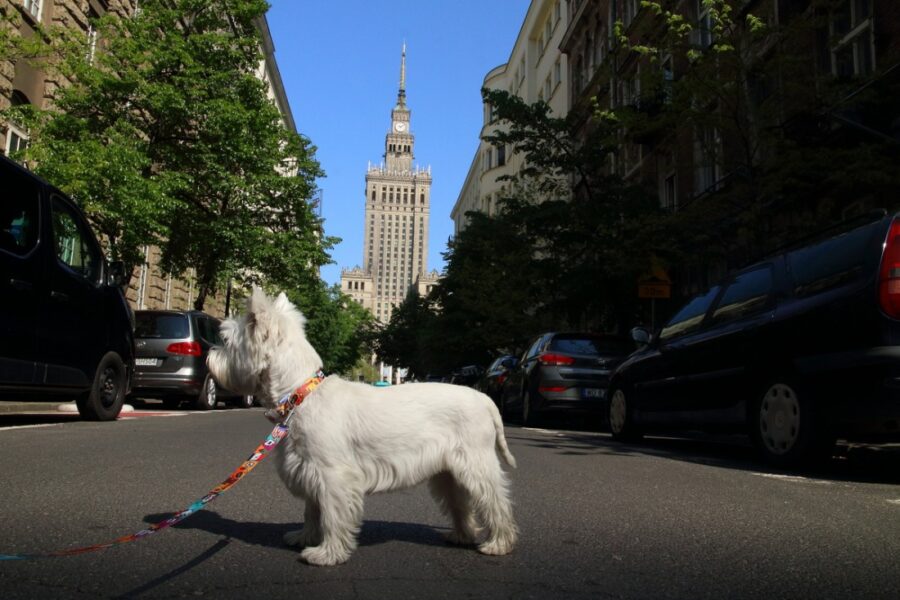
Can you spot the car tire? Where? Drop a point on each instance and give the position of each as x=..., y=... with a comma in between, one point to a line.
x=785, y=426
x=244, y=402
x=620, y=415
x=106, y=397
x=207, y=398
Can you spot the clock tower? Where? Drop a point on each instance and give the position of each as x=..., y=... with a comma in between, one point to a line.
x=398, y=143
x=398, y=205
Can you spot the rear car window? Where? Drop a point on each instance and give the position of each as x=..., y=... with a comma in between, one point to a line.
x=209, y=331
x=831, y=263
x=153, y=325
x=591, y=346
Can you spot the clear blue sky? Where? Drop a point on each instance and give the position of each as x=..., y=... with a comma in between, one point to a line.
x=340, y=63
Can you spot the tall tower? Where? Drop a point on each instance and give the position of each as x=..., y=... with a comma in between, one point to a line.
x=398, y=200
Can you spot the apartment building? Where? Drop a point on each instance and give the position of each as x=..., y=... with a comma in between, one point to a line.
x=536, y=71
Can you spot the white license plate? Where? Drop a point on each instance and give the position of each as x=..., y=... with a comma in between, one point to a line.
x=145, y=362
x=593, y=393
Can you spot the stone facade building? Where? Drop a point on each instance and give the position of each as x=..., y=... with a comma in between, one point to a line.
x=536, y=70
x=23, y=83
x=398, y=201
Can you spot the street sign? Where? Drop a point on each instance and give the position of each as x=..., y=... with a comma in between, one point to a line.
x=654, y=290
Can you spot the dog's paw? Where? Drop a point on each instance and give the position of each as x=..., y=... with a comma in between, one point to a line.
x=496, y=547
x=459, y=538
x=324, y=556
x=300, y=537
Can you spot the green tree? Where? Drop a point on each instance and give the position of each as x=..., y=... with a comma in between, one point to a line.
x=341, y=331
x=166, y=136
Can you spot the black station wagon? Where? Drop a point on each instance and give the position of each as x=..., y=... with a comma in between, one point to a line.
x=798, y=350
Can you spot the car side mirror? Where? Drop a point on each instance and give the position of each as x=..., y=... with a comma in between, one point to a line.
x=640, y=336
x=117, y=275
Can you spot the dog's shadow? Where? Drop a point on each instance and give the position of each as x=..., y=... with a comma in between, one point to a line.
x=271, y=535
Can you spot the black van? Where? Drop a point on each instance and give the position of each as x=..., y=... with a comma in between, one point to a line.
x=797, y=350
x=65, y=327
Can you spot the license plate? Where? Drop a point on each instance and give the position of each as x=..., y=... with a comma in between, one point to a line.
x=593, y=393
x=145, y=362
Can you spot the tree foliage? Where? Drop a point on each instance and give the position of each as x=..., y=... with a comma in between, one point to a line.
x=166, y=135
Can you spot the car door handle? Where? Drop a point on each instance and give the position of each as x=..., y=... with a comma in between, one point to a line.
x=20, y=285
x=59, y=296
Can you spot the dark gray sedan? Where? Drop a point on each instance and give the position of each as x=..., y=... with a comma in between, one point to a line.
x=563, y=371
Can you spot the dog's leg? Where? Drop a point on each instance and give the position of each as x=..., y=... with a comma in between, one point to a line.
x=488, y=488
x=340, y=515
x=311, y=534
x=453, y=500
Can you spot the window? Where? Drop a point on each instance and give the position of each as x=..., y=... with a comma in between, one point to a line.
x=501, y=155
x=16, y=140
x=689, y=318
x=92, y=36
x=74, y=247
x=851, y=29
x=668, y=78
x=629, y=10
x=19, y=214
x=34, y=8
x=669, y=193
x=707, y=144
x=831, y=263
x=703, y=35
x=747, y=294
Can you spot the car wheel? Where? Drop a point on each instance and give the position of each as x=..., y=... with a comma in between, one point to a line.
x=785, y=427
x=529, y=416
x=621, y=417
x=107, y=394
x=207, y=398
x=244, y=402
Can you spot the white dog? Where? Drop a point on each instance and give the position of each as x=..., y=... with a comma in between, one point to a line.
x=349, y=439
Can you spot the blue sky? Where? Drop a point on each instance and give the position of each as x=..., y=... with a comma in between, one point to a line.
x=340, y=63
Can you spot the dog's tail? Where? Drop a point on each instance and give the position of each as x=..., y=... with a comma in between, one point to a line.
x=502, y=448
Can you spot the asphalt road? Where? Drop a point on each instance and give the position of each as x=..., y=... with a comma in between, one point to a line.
x=668, y=518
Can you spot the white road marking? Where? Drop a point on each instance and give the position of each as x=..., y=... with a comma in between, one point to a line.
x=794, y=478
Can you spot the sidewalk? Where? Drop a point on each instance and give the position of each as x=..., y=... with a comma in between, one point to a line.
x=15, y=406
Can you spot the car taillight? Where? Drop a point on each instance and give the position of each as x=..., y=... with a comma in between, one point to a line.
x=188, y=348
x=556, y=359
x=502, y=377
x=551, y=388
x=889, y=276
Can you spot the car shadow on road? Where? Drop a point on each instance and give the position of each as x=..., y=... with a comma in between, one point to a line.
x=270, y=535
x=850, y=462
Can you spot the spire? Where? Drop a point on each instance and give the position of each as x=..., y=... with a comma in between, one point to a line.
x=401, y=96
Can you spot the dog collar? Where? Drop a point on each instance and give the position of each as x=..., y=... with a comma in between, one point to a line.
x=290, y=401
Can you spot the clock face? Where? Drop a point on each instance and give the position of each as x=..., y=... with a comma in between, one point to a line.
x=400, y=126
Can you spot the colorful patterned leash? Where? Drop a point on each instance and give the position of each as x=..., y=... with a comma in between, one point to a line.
x=284, y=410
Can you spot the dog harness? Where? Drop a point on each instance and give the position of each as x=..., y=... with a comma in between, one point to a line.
x=284, y=410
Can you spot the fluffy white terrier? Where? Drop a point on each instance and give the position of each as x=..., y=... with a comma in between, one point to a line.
x=351, y=439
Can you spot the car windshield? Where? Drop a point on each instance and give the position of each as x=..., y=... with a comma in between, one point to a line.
x=163, y=326
x=592, y=346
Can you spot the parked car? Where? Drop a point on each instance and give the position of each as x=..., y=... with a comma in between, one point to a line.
x=797, y=349
x=170, y=363
x=562, y=371
x=467, y=375
x=65, y=327
x=491, y=382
